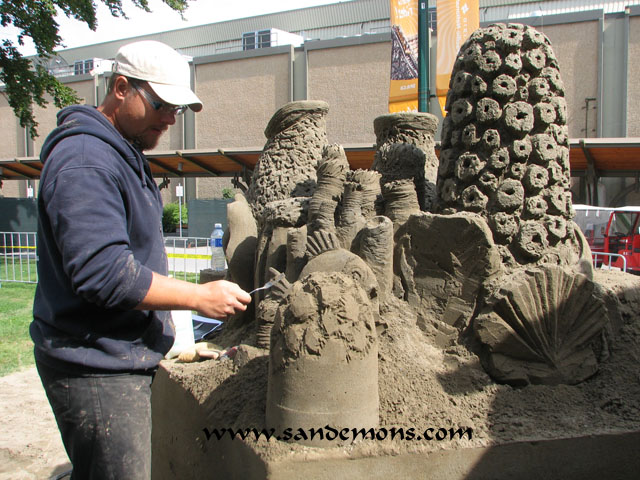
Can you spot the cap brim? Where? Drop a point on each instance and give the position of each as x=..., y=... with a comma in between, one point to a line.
x=176, y=95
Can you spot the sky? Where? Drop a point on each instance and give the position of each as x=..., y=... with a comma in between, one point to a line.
x=75, y=33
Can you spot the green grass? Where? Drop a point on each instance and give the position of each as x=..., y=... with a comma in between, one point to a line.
x=16, y=347
x=16, y=303
x=14, y=269
x=188, y=277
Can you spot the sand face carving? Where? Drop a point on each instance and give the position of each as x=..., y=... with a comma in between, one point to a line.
x=442, y=262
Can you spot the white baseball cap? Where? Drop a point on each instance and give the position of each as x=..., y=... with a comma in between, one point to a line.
x=166, y=71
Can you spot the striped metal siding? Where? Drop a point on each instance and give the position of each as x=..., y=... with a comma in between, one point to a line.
x=574, y=4
x=503, y=3
x=301, y=20
x=511, y=9
x=345, y=18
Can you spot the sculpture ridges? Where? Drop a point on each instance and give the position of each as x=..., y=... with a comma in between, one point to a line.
x=543, y=327
x=405, y=152
x=296, y=136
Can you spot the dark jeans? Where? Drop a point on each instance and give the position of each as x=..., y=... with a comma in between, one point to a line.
x=104, y=421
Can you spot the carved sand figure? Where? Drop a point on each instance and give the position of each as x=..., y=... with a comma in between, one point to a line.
x=505, y=156
x=414, y=294
x=284, y=179
x=502, y=239
x=323, y=366
x=406, y=159
x=505, y=148
x=240, y=242
x=296, y=135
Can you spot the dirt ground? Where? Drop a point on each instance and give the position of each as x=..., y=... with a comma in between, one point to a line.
x=30, y=445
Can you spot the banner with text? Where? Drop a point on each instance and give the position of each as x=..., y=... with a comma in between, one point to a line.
x=457, y=20
x=403, y=89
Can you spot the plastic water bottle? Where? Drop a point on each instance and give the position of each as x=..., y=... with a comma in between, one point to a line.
x=217, y=252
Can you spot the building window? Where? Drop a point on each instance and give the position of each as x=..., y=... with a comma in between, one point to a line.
x=259, y=39
x=433, y=19
x=83, y=66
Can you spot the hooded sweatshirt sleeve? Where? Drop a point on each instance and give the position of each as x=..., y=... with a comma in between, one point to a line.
x=90, y=208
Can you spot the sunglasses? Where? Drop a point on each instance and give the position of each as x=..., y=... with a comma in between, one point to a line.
x=159, y=105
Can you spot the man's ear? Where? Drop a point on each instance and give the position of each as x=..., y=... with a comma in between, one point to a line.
x=121, y=87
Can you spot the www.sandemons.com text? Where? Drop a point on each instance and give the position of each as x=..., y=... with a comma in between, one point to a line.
x=344, y=434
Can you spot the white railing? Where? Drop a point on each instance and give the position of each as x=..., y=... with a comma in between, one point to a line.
x=607, y=265
x=19, y=260
x=187, y=256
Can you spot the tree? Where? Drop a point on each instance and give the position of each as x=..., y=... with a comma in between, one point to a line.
x=26, y=83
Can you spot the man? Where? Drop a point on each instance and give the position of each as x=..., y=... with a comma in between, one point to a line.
x=101, y=321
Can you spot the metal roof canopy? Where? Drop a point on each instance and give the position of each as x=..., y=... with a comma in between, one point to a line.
x=590, y=157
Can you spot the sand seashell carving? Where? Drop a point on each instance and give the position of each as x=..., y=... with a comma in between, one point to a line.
x=541, y=328
x=322, y=241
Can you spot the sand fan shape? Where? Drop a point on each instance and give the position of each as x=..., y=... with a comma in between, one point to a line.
x=543, y=329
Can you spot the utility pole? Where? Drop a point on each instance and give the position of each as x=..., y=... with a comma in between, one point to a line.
x=424, y=47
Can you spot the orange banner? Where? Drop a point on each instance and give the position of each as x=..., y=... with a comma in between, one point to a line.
x=403, y=88
x=457, y=20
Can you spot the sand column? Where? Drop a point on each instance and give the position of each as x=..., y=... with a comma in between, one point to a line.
x=323, y=365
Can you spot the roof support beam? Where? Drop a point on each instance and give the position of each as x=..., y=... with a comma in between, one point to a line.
x=198, y=163
x=19, y=172
x=591, y=175
x=235, y=160
x=160, y=164
x=30, y=162
x=246, y=170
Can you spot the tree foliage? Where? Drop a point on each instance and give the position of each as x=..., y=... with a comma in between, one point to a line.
x=25, y=82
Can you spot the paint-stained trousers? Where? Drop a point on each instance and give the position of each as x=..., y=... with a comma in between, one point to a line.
x=104, y=421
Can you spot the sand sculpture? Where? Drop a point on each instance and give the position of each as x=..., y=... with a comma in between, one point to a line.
x=478, y=247
x=323, y=369
x=505, y=156
x=417, y=294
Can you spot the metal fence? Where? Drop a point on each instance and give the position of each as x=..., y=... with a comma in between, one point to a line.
x=604, y=261
x=187, y=256
x=18, y=258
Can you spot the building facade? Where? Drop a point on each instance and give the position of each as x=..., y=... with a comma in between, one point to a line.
x=244, y=70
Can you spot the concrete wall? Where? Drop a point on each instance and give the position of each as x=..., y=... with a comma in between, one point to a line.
x=633, y=74
x=354, y=81
x=12, y=189
x=46, y=117
x=13, y=138
x=240, y=95
x=576, y=46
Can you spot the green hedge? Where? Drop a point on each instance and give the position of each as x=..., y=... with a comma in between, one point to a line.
x=171, y=216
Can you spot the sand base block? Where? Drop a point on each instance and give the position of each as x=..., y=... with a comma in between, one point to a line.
x=180, y=450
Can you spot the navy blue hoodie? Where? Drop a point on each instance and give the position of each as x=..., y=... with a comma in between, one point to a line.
x=99, y=239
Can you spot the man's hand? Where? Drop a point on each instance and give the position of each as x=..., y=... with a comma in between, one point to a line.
x=214, y=299
x=221, y=299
